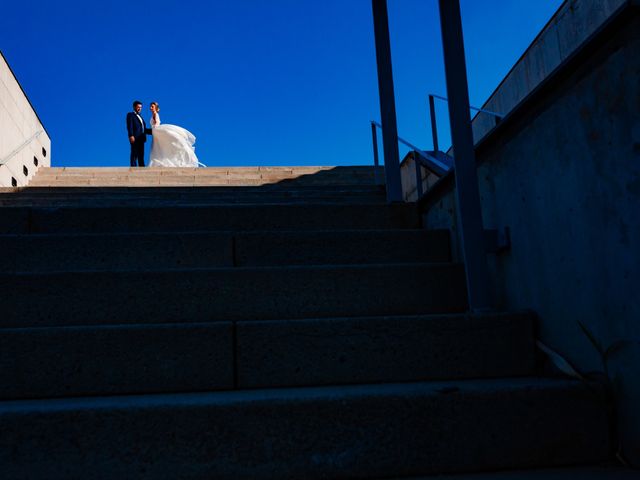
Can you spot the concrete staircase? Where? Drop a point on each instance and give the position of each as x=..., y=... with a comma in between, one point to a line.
x=174, y=186
x=298, y=329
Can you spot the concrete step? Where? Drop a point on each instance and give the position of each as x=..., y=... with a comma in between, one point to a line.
x=10, y=196
x=287, y=176
x=282, y=353
x=162, y=251
x=155, y=358
x=188, y=181
x=115, y=252
x=583, y=472
x=160, y=192
x=282, y=171
x=208, y=218
x=341, y=247
x=368, y=431
x=216, y=200
x=98, y=196
x=116, y=359
x=264, y=293
x=207, y=176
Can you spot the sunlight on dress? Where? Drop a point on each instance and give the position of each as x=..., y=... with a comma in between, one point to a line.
x=172, y=146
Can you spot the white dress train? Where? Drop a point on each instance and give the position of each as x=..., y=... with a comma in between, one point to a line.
x=172, y=146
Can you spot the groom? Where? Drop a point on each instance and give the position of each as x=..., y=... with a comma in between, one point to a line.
x=138, y=131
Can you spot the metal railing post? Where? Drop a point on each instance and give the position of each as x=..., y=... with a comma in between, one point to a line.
x=376, y=159
x=374, y=138
x=466, y=175
x=419, y=190
x=434, y=127
x=387, y=101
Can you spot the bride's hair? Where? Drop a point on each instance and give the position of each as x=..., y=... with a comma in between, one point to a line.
x=157, y=106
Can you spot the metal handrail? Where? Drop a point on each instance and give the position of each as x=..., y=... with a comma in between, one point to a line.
x=469, y=214
x=432, y=116
x=21, y=146
x=421, y=157
x=498, y=115
x=424, y=154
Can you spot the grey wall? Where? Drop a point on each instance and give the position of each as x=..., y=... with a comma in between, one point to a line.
x=572, y=24
x=564, y=176
x=408, y=178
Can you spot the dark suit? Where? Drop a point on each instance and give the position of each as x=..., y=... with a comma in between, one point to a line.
x=138, y=130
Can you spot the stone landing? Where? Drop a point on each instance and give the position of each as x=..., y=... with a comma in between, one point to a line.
x=212, y=176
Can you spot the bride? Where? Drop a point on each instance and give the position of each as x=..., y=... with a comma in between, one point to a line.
x=172, y=145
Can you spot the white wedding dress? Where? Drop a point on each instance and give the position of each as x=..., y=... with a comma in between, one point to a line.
x=172, y=146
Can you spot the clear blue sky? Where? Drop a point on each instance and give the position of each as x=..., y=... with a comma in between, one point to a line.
x=278, y=82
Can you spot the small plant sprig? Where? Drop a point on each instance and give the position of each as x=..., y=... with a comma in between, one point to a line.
x=606, y=353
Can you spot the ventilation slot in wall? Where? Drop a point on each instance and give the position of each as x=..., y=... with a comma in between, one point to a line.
x=44, y=152
x=25, y=170
x=35, y=160
x=14, y=182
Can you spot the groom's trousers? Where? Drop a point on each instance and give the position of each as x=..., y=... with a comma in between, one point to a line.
x=137, y=154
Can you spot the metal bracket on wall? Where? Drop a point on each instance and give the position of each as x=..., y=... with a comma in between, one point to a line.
x=497, y=240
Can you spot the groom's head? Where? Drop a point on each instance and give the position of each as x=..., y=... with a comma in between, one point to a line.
x=137, y=106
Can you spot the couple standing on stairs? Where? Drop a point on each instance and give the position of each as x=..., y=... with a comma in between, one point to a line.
x=172, y=145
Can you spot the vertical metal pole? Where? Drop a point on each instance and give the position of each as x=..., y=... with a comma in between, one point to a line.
x=468, y=195
x=419, y=190
x=387, y=101
x=376, y=160
x=434, y=127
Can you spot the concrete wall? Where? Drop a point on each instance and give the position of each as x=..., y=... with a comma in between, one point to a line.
x=19, y=123
x=574, y=22
x=408, y=178
x=563, y=173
